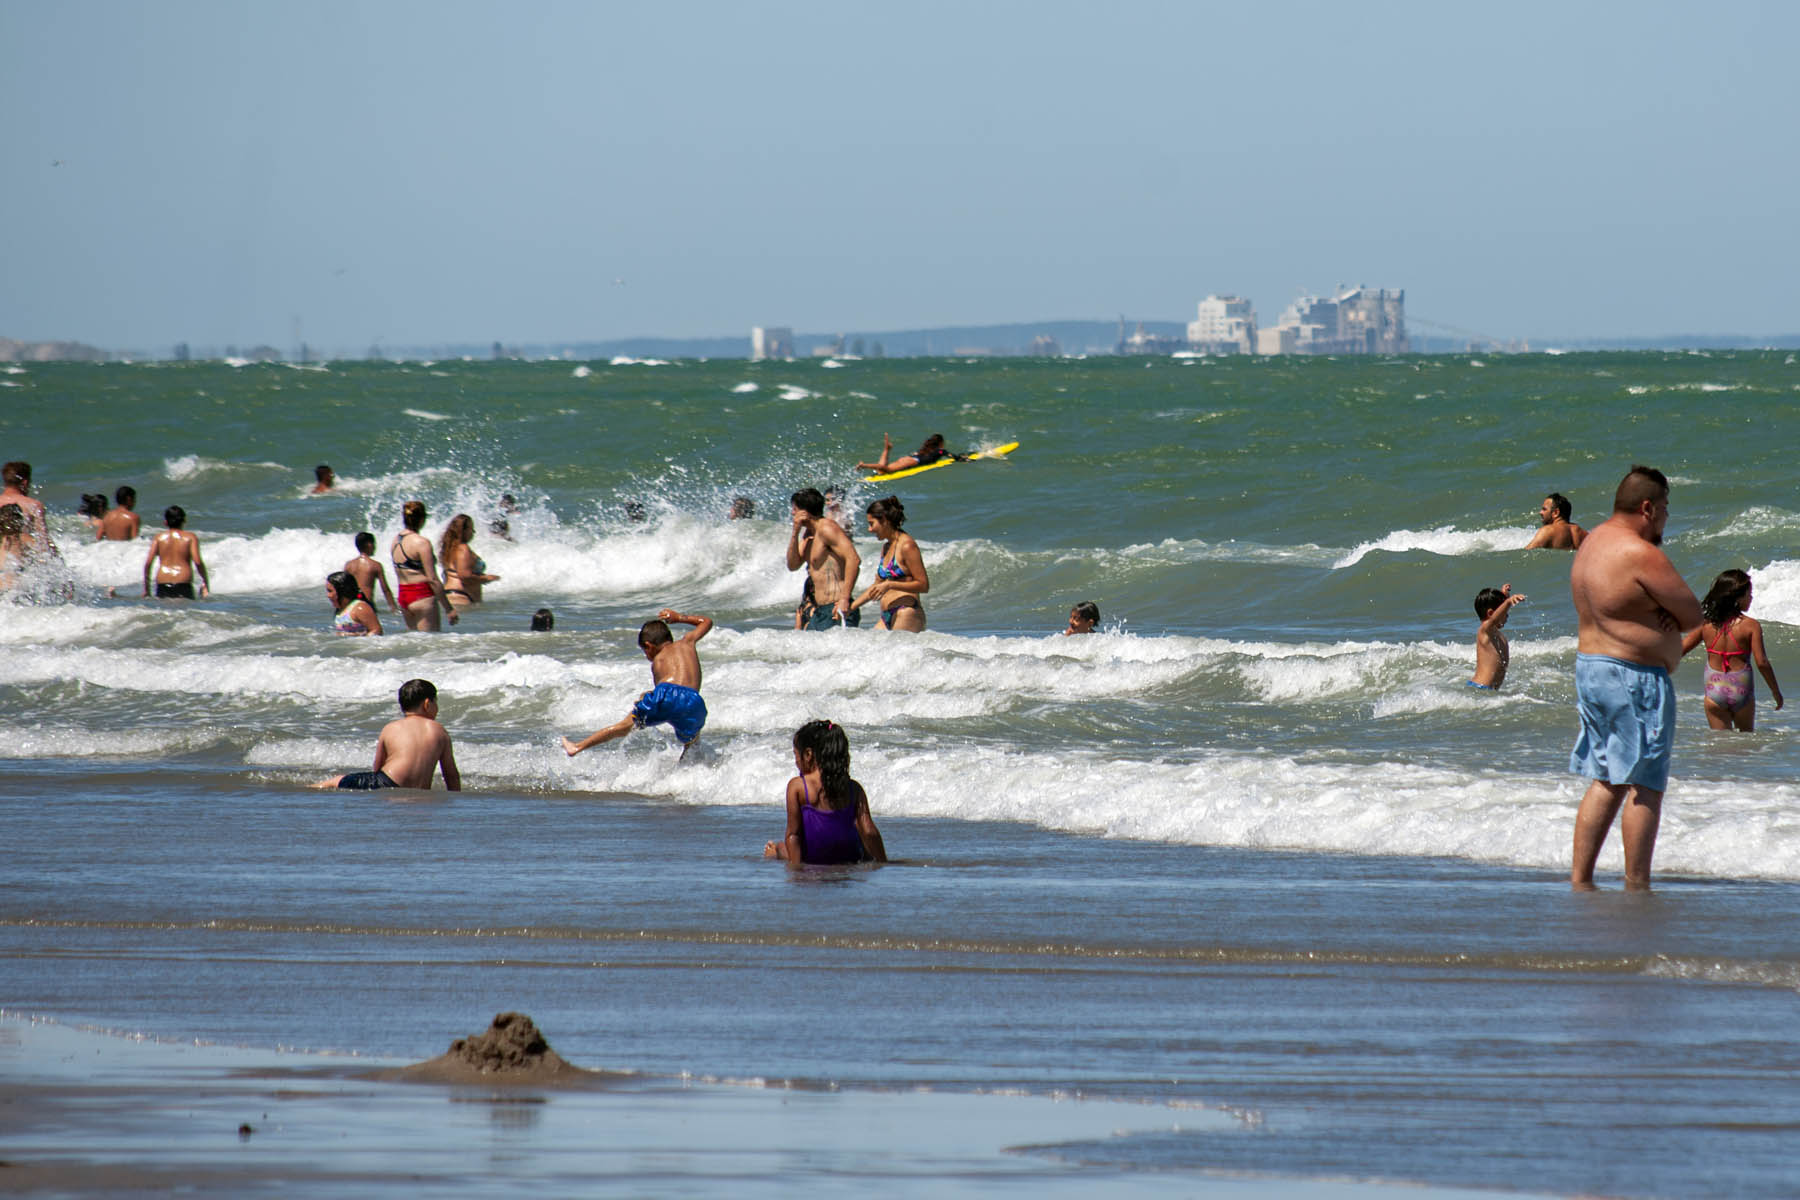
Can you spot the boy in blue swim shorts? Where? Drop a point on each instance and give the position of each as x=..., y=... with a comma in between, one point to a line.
x=675, y=671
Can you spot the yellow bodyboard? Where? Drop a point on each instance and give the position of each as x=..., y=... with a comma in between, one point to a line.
x=996, y=452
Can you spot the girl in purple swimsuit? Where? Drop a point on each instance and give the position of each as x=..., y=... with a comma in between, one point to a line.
x=828, y=817
x=1730, y=635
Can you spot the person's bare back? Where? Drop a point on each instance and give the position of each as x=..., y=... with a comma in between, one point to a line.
x=119, y=525
x=411, y=749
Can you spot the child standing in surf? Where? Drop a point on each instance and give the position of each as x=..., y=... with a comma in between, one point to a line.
x=675, y=699
x=1492, y=651
x=1733, y=641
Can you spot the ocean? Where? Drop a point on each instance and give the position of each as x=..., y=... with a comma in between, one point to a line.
x=1251, y=865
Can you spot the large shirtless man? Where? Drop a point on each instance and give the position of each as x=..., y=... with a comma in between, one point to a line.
x=1631, y=609
x=820, y=545
x=1556, y=531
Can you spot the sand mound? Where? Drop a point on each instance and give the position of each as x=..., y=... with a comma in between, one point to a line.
x=510, y=1051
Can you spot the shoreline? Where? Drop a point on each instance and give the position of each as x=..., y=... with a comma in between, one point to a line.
x=92, y=1113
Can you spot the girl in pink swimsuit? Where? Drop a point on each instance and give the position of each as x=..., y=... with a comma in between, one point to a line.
x=1730, y=635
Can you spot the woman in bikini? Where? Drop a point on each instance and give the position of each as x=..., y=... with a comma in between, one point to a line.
x=1732, y=641
x=900, y=577
x=828, y=817
x=924, y=456
x=352, y=614
x=464, y=572
x=415, y=571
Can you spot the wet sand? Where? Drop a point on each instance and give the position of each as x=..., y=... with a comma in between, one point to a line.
x=88, y=1113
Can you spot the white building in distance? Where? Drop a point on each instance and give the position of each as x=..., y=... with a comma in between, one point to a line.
x=1224, y=325
x=773, y=341
x=1355, y=321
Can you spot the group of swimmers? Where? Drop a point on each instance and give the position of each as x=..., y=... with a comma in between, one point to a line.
x=1727, y=633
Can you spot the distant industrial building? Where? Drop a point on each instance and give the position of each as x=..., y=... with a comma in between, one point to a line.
x=774, y=341
x=1141, y=341
x=1224, y=325
x=1355, y=321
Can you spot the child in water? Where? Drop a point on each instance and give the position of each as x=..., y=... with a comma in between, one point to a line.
x=1729, y=634
x=828, y=817
x=1492, y=652
x=674, y=700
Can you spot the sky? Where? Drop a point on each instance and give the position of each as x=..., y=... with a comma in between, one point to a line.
x=418, y=173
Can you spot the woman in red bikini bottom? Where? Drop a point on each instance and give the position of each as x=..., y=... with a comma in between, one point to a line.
x=415, y=570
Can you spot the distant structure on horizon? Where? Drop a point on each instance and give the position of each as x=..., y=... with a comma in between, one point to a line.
x=1224, y=325
x=1357, y=320
x=773, y=341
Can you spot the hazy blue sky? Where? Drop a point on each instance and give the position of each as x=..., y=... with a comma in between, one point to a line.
x=452, y=170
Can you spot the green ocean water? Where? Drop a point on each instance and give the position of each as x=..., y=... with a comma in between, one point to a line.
x=1254, y=845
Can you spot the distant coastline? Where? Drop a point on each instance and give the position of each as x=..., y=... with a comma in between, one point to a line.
x=1072, y=338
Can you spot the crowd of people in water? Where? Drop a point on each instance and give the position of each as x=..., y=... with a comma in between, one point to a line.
x=1635, y=619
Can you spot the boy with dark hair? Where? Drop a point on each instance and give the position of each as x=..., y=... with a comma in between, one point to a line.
x=323, y=478
x=121, y=524
x=1492, y=651
x=409, y=750
x=367, y=570
x=1082, y=618
x=675, y=670
x=176, y=555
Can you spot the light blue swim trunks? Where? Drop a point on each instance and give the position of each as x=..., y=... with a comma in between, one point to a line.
x=680, y=708
x=1627, y=722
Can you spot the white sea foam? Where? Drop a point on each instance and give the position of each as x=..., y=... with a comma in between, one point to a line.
x=745, y=388
x=1445, y=539
x=626, y=360
x=185, y=467
x=913, y=743
x=582, y=372
x=426, y=415
x=791, y=391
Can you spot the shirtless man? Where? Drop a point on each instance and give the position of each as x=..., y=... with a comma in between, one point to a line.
x=1556, y=532
x=122, y=523
x=1631, y=609
x=820, y=545
x=368, y=571
x=675, y=670
x=176, y=555
x=323, y=479
x=409, y=750
x=16, y=476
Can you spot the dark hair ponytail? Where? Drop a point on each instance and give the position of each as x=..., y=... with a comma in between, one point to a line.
x=1725, y=599
x=829, y=746
x=890, y=510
